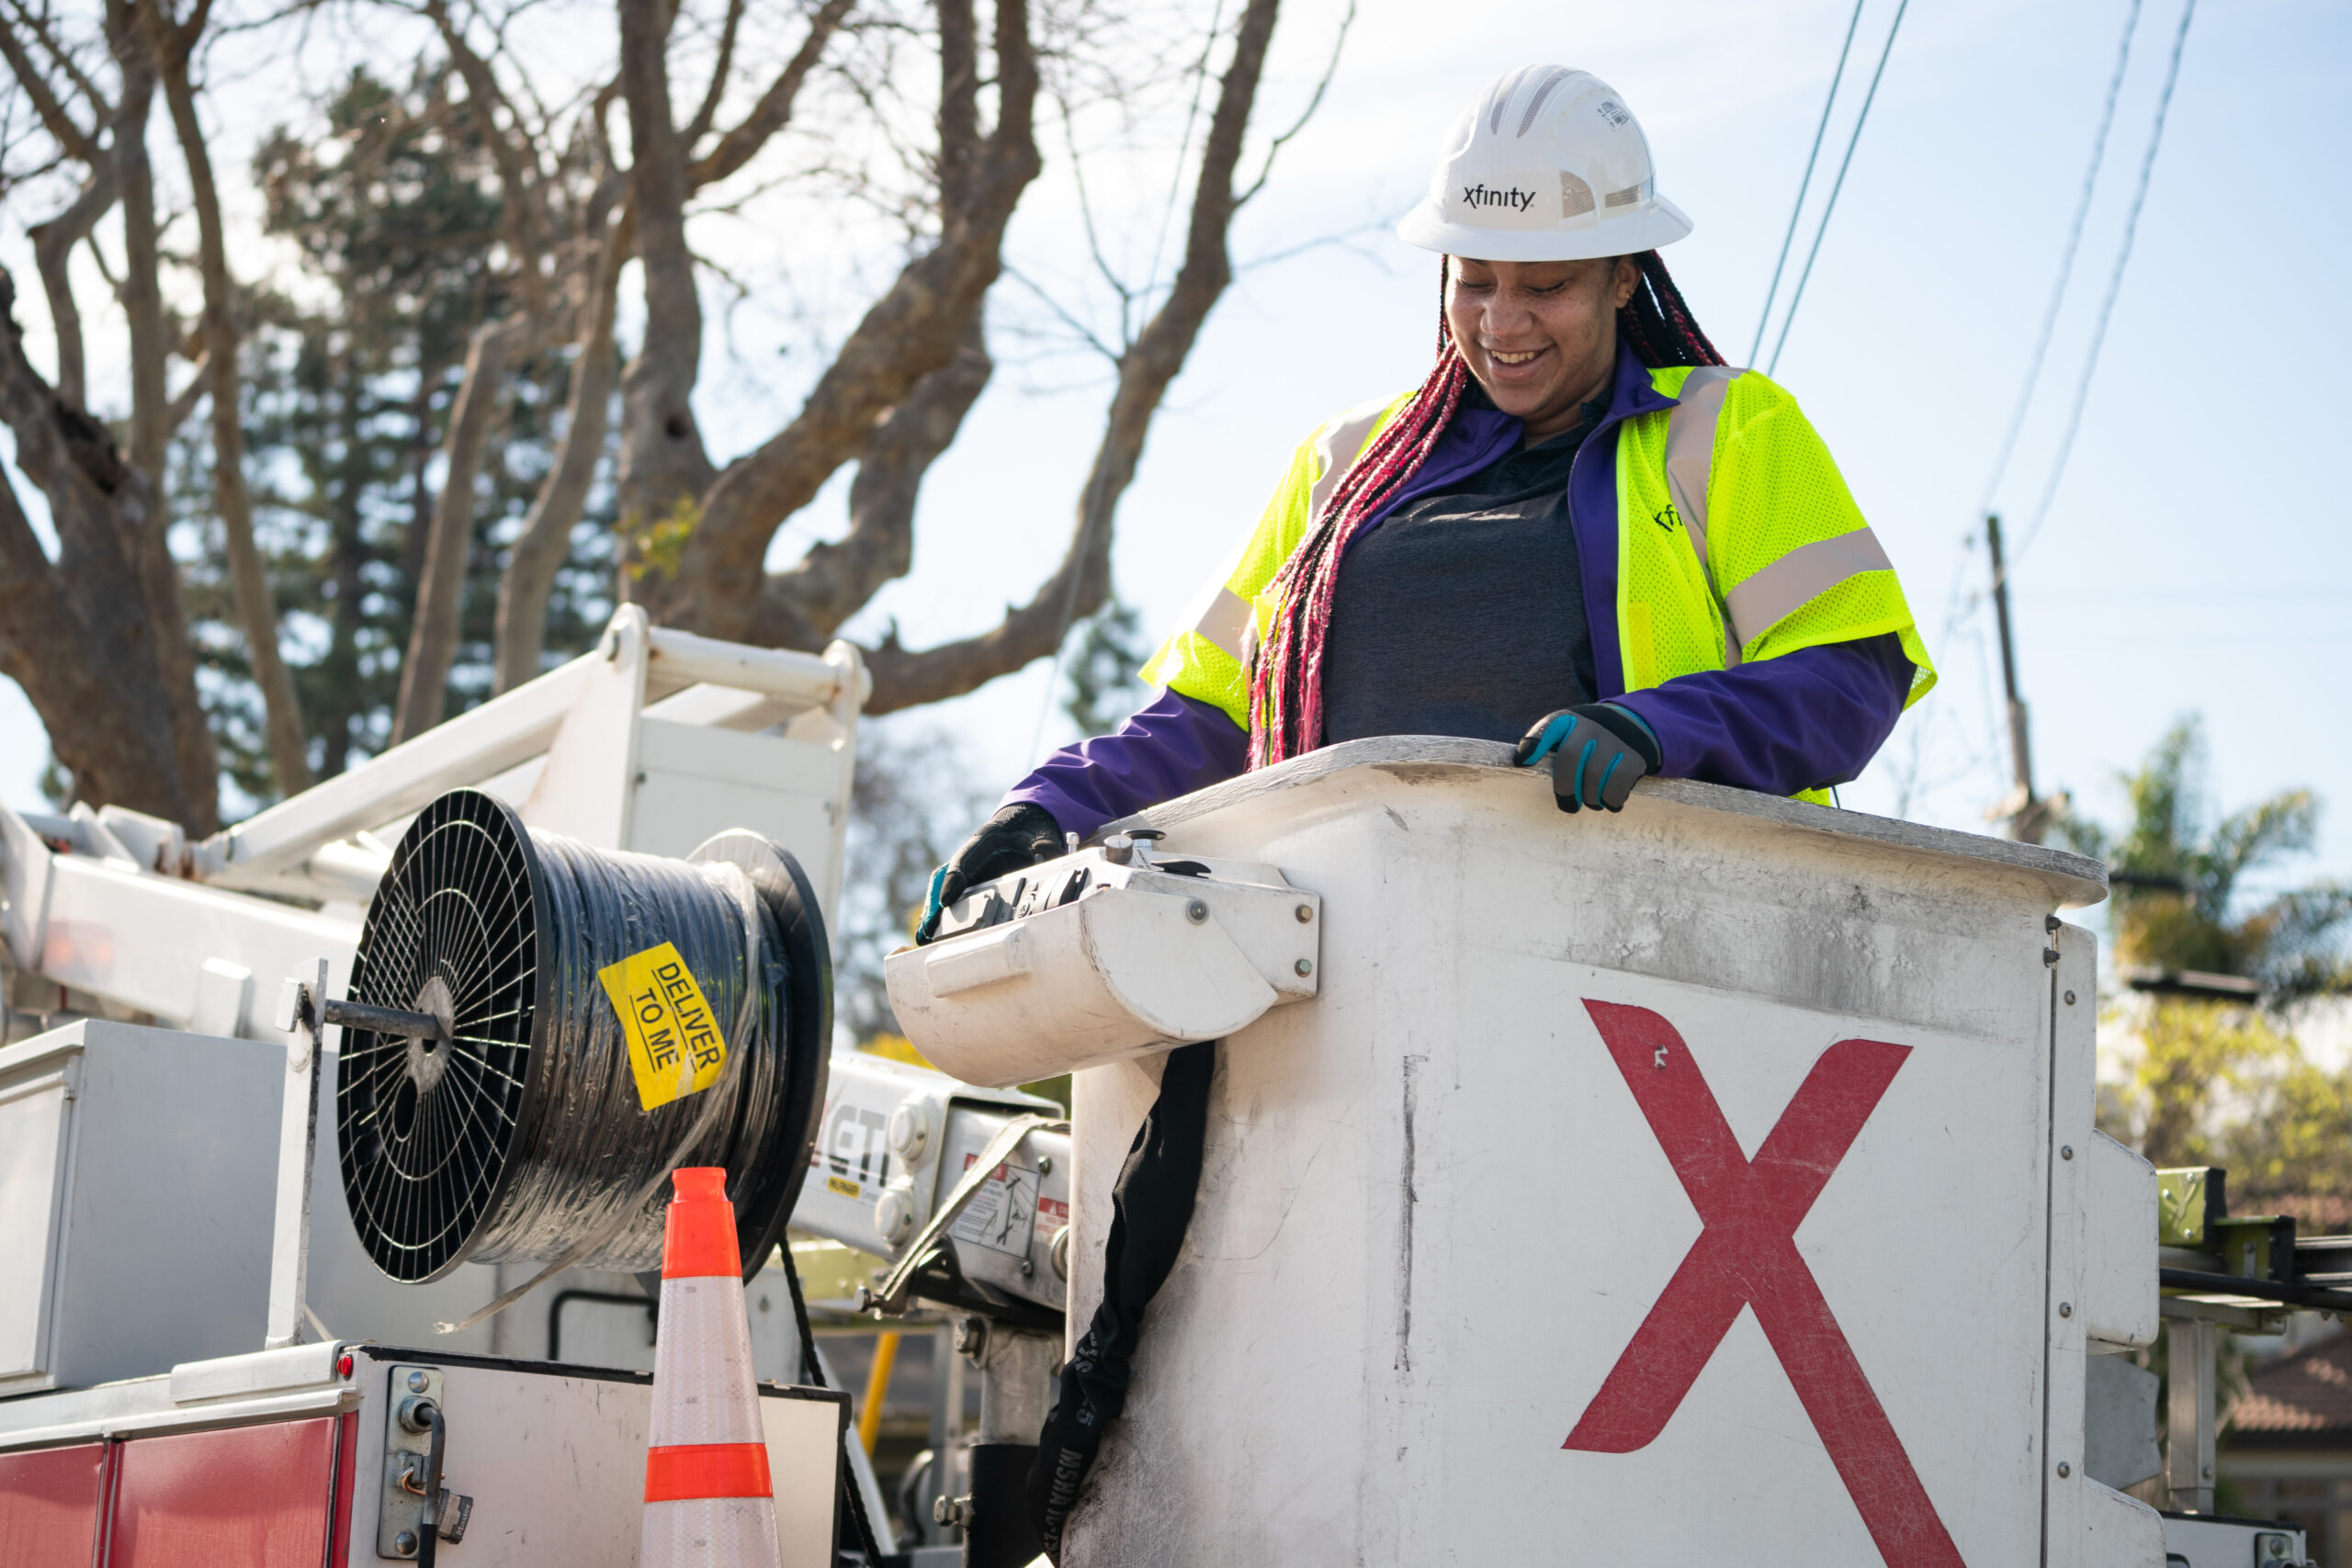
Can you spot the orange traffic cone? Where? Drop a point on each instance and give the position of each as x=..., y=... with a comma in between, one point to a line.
x=708, y=1500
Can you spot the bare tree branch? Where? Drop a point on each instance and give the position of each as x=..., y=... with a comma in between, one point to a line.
x=53, y=243
x=959, y=98
x=181, y=40
x=904, y=677
x=79, y=637
x=803, y=606
x=773, y=110
x=1046, y=297
x=248, y=576
x=433, y=638
x=54, y=239
x=538, y=552
x=1313, y=102
x=535, y=214
x=664, y=467
x=1109, y=273
x=91, y=93
x=140, y=295
x=914, y=328
x=140, y=291
x=46, y=643
x=519, y=206
x=83, y=145
x=183, y=401
x=720, y=69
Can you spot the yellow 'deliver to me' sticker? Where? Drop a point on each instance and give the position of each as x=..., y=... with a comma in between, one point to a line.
x=675, y=1046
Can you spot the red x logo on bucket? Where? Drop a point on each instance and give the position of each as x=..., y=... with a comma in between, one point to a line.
x=1747, y=1255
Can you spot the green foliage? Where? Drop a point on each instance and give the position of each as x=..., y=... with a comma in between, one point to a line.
x=2297, y=1136
x=1104, y=670
x=2190, y=1051
x=2177, y=904
x=2219, y=1084
x=655, y=549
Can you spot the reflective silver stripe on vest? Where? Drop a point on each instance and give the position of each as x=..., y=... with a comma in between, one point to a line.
x=1224, y=623
x=1340, y=446
x=1690, y=449
x=1690, y=460
x=1793, y=581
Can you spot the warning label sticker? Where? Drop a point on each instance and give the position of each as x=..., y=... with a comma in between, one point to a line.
x=675, y=1046
x=1002, y=1213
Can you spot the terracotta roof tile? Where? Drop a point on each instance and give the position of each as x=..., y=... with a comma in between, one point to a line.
x=2309, y=1391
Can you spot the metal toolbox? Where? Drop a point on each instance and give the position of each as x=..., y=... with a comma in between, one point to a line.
x=135, y=1197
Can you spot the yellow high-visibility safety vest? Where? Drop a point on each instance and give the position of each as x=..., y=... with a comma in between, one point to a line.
x=1737, y=540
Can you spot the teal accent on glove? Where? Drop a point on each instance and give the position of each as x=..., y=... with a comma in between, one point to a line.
x=1556, y=729
x=1590, y=747
x=933, y=905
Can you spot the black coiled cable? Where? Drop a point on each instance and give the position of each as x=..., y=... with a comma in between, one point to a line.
x=592, y=1146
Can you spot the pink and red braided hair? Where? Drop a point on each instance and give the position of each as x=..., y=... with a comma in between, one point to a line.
x=1286, y=679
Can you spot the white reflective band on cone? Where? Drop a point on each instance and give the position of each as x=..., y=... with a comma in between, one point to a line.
x=701, y=1366
x=710, y=1532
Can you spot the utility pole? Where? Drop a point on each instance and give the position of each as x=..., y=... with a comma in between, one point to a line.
x=2027, y=815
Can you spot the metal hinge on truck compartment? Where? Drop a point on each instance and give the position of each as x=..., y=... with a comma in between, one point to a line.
x=416, y=1498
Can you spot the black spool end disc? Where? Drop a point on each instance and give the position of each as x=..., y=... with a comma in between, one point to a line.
x=766, y=1205
x=426, y=1129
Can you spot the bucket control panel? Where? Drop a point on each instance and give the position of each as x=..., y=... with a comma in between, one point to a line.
x=1113, y=952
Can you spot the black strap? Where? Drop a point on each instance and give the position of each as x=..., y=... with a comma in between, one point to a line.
x=812, y=1372
x=1150, y=1207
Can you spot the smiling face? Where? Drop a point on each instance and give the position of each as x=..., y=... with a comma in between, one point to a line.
x=1539, y=336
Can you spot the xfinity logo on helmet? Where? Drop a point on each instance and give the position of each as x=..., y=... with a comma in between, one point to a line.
x=1482, y=196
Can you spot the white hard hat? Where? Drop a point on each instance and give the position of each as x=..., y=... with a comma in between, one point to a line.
x=1546, y=165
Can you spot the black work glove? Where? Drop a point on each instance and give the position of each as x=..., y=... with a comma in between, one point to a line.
x=1018, y=836
x=1598, y=750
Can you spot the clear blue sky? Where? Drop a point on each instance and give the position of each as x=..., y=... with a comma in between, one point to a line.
x=2193, y=561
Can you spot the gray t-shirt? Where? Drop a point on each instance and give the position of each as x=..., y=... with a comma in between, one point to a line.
x=1463, y=613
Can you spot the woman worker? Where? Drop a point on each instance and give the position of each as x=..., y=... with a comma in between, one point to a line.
x=1580, y=532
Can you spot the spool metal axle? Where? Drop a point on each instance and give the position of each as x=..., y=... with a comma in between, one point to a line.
x=397, y=1021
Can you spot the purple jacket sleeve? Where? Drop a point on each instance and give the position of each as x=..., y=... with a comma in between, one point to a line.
x=1806, y=719
x=1813, y=717
x=1172, y=746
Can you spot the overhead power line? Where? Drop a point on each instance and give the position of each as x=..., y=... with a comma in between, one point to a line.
x=1962, y=604
x=2114, y=284
x=2065, y=263
x=1796, y=210
x=1830, y=208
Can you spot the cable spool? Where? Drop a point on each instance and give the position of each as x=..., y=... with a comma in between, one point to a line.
x=521, y=1134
